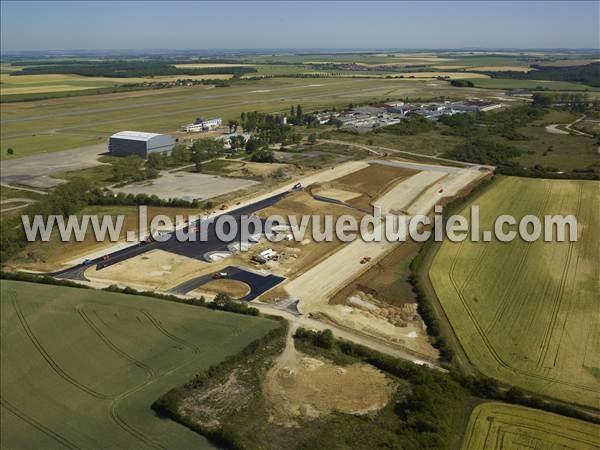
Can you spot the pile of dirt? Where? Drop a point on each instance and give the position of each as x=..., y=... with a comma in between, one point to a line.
x=308, y=388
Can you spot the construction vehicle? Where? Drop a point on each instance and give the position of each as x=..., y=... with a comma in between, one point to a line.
x=220, y=275
x=258, y=259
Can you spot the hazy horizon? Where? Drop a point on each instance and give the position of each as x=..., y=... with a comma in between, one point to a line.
x=342, y=26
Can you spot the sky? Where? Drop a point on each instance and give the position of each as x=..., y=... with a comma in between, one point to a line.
x=89, y=25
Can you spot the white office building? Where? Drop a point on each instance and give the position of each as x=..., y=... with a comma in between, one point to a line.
x=201, y=125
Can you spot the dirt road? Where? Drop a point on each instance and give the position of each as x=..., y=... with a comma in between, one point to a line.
x=415, y=195
x=553, y=129
x=24, y=202
x=342, y=333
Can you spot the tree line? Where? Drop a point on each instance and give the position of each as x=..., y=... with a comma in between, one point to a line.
x=587, y=74
x=69, y=199
x=126, y=69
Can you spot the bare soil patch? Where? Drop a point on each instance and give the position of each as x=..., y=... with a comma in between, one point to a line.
x=386, y=279
x=157, y=269
x=187, y=186
x=381, y=302
x=370, y=182
x=336, y=194
x=263, y=169
x=309, y=388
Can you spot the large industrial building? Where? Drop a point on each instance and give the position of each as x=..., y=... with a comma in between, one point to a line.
x=126, y=143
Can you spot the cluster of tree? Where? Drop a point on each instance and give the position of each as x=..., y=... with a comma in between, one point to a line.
x=415, y=124
x=64, y=200
x=462, y=83
x=203, y=150
x=30, y=97
x=127, y=69
x=68, y=199
x=268, y=129
x=570, y=101
x=224, y=302
x=132, y=168
x=586, y=74
x=323, y=339
x=504, y=122
x=427, y=313
x=483, y=151
x=106, y=197
x=490, y=388
x=262, y=155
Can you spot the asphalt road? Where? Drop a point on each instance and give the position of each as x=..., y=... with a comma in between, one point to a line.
x=189, y=249
x=258, y=283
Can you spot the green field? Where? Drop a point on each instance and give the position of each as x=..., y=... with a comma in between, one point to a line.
x=498, y=426
x=427, y=143
x=564, y=152
x=527, y=313
x=509, y=83
x=80, y=368
x=35, y=84
x=59, y=124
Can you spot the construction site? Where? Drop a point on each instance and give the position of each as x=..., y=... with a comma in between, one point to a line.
x=353, y=287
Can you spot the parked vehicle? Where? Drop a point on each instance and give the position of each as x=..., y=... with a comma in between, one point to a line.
x=220, y=275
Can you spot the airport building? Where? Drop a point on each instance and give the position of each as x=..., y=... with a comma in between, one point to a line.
x=126, y=143
x=201, y=125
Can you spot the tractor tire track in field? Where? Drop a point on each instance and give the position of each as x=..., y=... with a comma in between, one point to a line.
x=150, y=373
x=477, y=266
x=115, y=400
x=558, y=299
x=506, y=421
x=37, y=425
x=506, y=300
x=51, y=362
x=492, y=351
x=113, y=413
x=154, y=321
